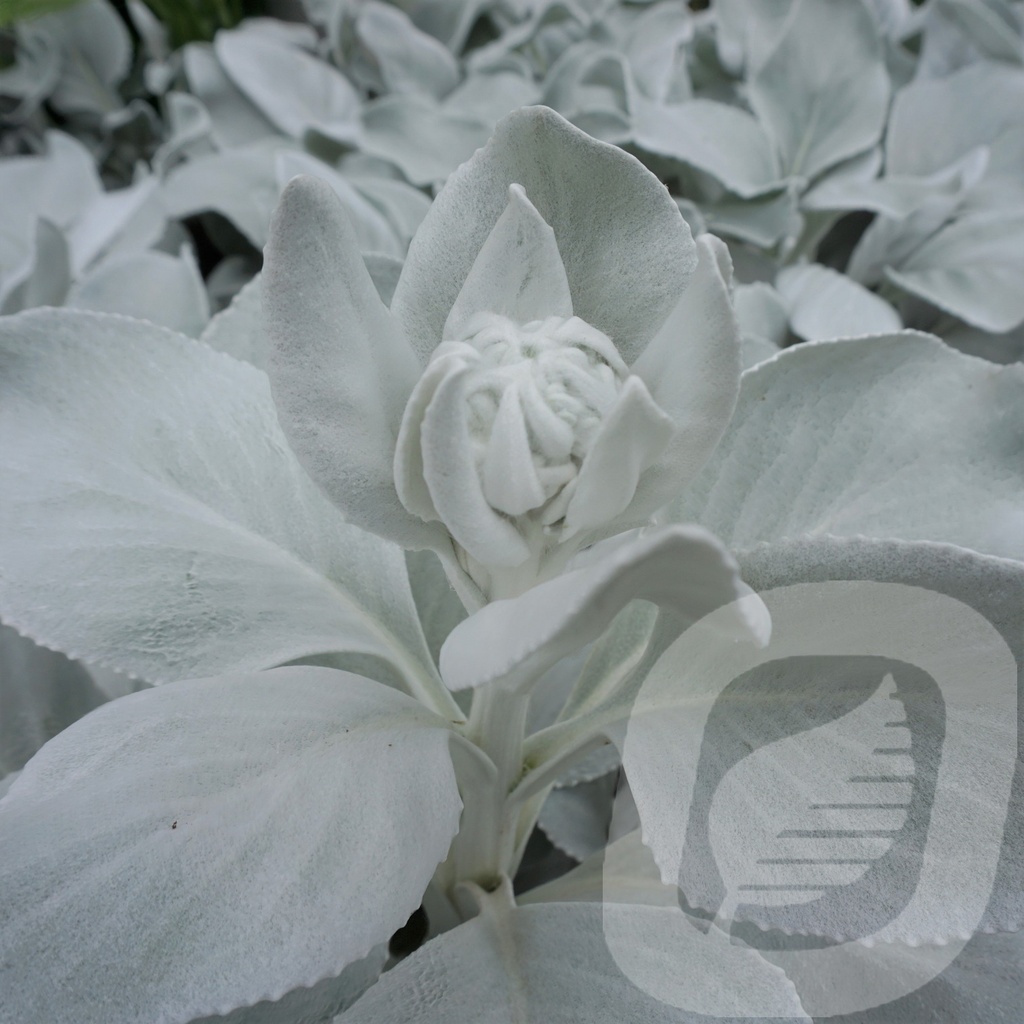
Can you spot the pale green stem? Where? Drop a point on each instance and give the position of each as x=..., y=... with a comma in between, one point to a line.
x=484, y=849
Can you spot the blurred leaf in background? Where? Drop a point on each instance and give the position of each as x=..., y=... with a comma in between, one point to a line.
x=185, y=20
x=18, y=10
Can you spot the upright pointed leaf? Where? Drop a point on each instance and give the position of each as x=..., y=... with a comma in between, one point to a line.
x=627, y=251
x=341, y=368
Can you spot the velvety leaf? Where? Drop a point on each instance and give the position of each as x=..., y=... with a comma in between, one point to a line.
x=41, y=693
x=234, y=119
x=122, y=220
x=251, y=822
x=825, y=304
x=981, y=986
x=408, y=60
x=95, y=52
x=511, y=642
x=1007, y=347
x=691, y=367
x=292, y=88
x=384, y=271
x=823, y=92
x=192, y=543
x=31, y=74
x=238, y=329
x=373, y=231
x=340, y=367
x=488, y=96
x=893, y=436
x=517, y=962
x=518, y=272
x=764, y=220
x=945, y=623
x=315, y=1004
x=762, y=319
x=155, y=286
x=935, y=122
x=403, y=206
x=56, y=185
x=724, y=141
x=437, y=604
x=612, y=657
x=626, y=249
x=656, y=53
x=624, y=871
x=576, y=818
x=423, y=140
x=971, y=268
x=748, y=31
x=994, y=588
x=45, y=278
x=240, y=184
x=587, y=85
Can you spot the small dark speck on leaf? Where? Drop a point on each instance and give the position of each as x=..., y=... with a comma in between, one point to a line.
x=174, y=824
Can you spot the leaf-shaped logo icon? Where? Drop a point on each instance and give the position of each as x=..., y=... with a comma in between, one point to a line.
x=812, y=812
x=768, y=789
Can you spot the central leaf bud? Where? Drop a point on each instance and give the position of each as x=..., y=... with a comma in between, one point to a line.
x=536, y=395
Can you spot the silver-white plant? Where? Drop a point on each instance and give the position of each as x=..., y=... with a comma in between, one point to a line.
x=552, y=405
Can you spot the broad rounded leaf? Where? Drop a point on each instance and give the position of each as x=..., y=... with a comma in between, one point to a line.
x=892, y=436
x=859, y=813
x=96, y=53
x=981, y=986
x=292, y=88
x=191, y=543
x=823, y=92
x=256, y=826
x=626, y=249
x=551, y=962
x=825, y=304
x=724, y=141
x=155, y=286
x=239, y=184
x=425, y=141
x=234, y=120
x=408, y=60
x=972, y=268
x=934, y=122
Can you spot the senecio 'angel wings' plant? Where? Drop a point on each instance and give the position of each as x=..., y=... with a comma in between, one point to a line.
x=524, y=431
x=559, y=361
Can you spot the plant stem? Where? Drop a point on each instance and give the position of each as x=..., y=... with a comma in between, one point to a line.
x=485, y=848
